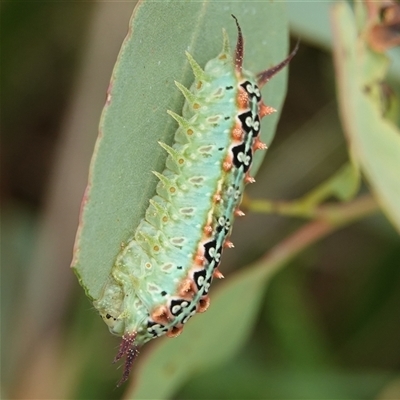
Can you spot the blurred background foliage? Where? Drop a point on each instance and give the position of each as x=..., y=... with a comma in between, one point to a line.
x=330, y=323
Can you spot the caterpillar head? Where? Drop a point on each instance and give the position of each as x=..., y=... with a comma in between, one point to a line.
x=115, y=323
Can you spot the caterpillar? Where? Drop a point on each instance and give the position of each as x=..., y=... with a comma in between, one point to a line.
x=162, y=276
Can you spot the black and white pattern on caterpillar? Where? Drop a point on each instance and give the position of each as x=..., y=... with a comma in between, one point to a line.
x=162, y=277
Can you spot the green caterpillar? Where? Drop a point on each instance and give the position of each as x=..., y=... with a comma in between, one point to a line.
x=161, y=278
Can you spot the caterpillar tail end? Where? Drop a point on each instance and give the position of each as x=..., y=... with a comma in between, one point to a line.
x=130, y=351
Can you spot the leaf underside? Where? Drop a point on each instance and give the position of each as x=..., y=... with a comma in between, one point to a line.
x=135, y=117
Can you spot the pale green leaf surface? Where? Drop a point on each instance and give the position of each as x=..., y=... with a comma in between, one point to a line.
x=374, y=141
x=310, y=21
x=135, y=119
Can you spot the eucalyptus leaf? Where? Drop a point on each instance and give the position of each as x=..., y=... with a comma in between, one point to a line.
x=374, y=141
x=135, y=116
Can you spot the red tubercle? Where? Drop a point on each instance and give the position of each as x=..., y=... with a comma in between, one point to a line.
x=175, y=331
x=199, y=258
x=259, y=145
x=239, y=213
x=187, y=289
x=218, y=274
x=264, y=110
x=204, y=303
x=208, y=230
x=249, y=179
x=228, y=244
x=227, y=164
x=161, y=315
x=217, y=198
x=242, y=99
x=237, y=132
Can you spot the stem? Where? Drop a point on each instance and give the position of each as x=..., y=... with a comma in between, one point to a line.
x=329, y=219
x=333, y=213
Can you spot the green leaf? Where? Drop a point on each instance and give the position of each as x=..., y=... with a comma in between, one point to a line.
x=374, y=141
x=310, y=20
x=135, y=117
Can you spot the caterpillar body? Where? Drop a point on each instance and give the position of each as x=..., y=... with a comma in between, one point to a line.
x=162, y=276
